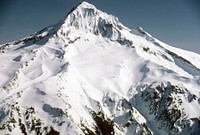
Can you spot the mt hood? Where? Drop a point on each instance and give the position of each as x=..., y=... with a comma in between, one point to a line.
x=90, y=75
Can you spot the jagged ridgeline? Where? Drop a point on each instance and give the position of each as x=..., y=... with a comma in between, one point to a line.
x=90, y=75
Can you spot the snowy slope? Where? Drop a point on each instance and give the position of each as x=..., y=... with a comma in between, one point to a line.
x=89, y=74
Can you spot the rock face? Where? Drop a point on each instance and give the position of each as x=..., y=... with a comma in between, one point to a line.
x=89, y=74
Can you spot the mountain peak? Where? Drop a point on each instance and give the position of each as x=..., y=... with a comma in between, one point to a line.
x=89, y=74
x=87, y=17
x=85, y=4
x=81, y=6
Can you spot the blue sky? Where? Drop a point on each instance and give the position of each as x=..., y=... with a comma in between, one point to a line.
x=176, y=22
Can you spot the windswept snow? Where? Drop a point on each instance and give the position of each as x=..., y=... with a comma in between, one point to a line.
x=89, y=74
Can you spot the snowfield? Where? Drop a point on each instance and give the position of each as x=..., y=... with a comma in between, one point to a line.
x=89, y=74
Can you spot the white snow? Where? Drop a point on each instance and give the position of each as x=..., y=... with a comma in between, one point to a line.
x=76, y=68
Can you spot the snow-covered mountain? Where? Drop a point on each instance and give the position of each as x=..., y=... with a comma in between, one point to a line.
x=89, y=74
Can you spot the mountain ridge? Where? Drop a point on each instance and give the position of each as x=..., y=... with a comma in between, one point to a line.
x=89, y=74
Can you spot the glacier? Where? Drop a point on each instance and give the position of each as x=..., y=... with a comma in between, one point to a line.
x=89, y=74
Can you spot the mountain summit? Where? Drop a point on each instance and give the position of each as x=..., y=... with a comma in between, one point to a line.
x=89, y=74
